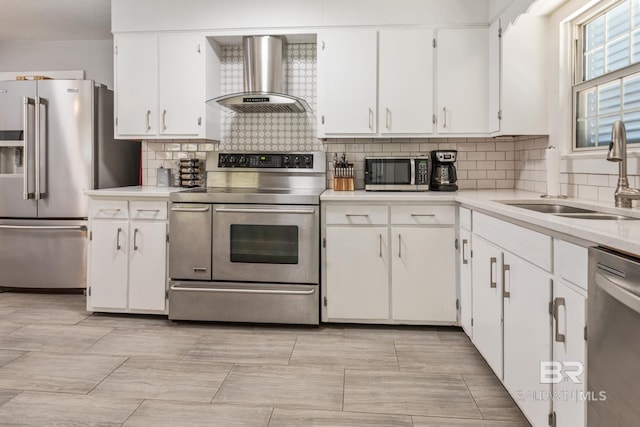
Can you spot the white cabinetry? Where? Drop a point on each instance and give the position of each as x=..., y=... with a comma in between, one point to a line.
x=160, y=86
x=347, y=82
x=465, y=270
x=406, y=82
x=569, y=334
x=389, y=263
x=511, y=319
x=462, y=75
x=487, y=302
x=382, y=83
x=517, y=73
x=127, y=256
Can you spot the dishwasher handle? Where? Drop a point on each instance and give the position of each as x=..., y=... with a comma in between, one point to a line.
x=617, y=287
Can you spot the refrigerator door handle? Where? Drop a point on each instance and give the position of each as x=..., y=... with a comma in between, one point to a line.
x=26, y=195
x=38, y=196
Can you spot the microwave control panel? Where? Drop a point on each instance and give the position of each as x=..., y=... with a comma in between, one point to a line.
x=422, y=171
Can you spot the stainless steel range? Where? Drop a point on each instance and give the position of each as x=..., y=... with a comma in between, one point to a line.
x=246, y=248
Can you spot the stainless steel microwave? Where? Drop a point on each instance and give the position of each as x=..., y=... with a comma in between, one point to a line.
x=396, y=173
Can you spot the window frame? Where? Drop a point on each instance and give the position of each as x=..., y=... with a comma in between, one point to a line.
x=578, y=83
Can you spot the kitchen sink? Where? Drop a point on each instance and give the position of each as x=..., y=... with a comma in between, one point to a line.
x=567, y=211
x=552, y=208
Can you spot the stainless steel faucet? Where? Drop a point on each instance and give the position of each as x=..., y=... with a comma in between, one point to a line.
x=618, y=153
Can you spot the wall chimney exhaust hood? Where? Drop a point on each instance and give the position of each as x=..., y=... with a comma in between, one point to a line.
x=264, y=67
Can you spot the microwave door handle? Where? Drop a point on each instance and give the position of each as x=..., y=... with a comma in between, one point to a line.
x=412, y=162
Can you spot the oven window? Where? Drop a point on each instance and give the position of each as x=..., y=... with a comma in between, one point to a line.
x=390, y=171
x=264, y=244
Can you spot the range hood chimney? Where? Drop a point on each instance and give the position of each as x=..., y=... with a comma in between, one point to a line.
x=264, y=67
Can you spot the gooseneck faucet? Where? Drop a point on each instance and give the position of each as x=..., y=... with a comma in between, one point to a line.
x=618, y=153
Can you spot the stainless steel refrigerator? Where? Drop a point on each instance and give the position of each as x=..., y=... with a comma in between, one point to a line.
x=56, y=141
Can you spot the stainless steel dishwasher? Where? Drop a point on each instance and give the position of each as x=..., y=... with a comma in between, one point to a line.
x=613, y=345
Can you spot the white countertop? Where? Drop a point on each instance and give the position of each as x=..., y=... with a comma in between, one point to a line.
x=621, y=235
x=135, y=191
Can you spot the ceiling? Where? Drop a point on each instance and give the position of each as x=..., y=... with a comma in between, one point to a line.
x=55, y=20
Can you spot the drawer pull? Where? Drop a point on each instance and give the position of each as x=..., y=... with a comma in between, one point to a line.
x=199, y=269
x=147, y=210
x=365, y=215
x=423, y=215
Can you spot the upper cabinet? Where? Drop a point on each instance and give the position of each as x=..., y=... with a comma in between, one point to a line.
x=405, y=89
x=161, y=87
x=347, y=81
x=517, y=80
x=461, y=75
x=386, y=83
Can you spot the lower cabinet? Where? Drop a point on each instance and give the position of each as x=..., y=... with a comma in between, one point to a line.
x=127, y=256
x=389, y=264
x=529, y=316
x=487, y=303
x=527, y=343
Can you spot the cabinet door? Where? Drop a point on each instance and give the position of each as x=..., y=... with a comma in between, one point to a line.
x=466, y=297
x=406, y=82
x=147, y=272
x=527, y=293
x=487, y=302
x=108, y=264
x=181, y=81
x=357, y=273
x=569, y=348
x=423, y=274
x=347, y=82
x=495, y=75
x=136, y=85
x=462, y=80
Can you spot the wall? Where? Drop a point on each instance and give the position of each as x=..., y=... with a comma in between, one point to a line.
x=95, y=57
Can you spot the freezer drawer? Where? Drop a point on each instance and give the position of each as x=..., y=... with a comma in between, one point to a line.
x=43, y=254
x=246, y=302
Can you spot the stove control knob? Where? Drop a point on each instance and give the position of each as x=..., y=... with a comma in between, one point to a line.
x=222, y=159
x=286, y=160
x=243, y=160
x=232, y=160
x=308, y=160
x=296, y=160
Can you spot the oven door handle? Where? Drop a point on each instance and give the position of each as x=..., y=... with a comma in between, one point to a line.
x=267, y=211
x=244, y=291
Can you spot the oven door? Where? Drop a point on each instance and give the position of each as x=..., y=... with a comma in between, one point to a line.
x=266, y=243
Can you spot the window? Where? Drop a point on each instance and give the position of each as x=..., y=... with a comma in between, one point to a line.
x=607, y=77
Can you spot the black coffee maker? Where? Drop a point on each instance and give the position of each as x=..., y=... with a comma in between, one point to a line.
x=443, y=170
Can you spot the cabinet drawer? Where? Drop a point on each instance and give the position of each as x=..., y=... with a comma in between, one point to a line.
x=356, y=214
x=464, y=215
x=570, y=262
x=423, y=214
x=109, y=209
x=148, y=209
x=527, y=244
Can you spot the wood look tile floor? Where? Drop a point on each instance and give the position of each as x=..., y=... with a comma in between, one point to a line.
x=60, y=365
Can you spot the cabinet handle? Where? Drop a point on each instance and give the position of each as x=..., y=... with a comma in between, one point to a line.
x=380, y=244
x=199, y=269
x=356, y=214
x=135, y=239
x=399, y=245
x=147, y=210
x=506, y=268
x=164, y=119
x=444, y=110
x=464, y=251
x=148, y=119
x=556, y=304
x=388, y=119
x=118, y=247
x=492, y=262
x=370, y=119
